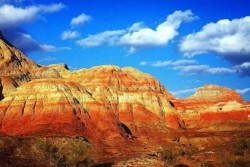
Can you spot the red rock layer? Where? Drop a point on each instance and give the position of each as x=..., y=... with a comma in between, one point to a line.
x=212, y=104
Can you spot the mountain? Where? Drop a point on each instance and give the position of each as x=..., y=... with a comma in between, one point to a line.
x=210, y=105
x=103, y=102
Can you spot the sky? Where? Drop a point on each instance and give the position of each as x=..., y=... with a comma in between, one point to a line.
x=183, y=43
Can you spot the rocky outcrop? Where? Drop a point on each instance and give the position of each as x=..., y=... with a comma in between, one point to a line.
x=215, y=93
x=12, y=61
x=212, y=104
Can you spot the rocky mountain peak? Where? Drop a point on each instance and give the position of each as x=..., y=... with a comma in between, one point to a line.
x=216, y=93
x=12, y=61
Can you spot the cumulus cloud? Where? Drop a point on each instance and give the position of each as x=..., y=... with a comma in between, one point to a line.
x=226, y=38
x=164, y=32
x=79, y=20
x=52, y=48
x=138, y=36
x=183, y=92
x=12, y=16
x=243, y=69
x=105, y=38
x=229, y=38
x=243, y=91
x=12, y=19
x=70, y=35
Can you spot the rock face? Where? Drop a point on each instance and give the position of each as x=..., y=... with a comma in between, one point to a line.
x=104, y=102
x=210, y=105
x=12, y=61
x=215, y=93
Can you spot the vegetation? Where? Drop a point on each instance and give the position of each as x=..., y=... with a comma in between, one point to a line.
x=48, y=150
x=171, y=154
x=76, y=156
x=42, y=151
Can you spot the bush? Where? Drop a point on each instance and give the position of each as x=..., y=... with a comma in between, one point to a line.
x=77, y=150
x=49, y=151
x=167, y=155
x=170, y=155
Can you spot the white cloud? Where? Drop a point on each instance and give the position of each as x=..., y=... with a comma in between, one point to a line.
x=81, y=19
x=139, y=36
x=182, y=62
x=190, y=67
x=243, y=69
x=181, y=93
x=70, y=35
x=143, y=63
x=12, y=19
x=104, y=38
x=136, y=27
x=203, y=69
x=12, y=16
x=51, y=8
x=229, y=38
x=161, y=63
x=51, y=48
x=164, y=32
x=243, y=91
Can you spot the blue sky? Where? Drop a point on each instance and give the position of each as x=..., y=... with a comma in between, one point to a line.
x=184, y=44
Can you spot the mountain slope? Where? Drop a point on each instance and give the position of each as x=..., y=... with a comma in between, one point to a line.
x=212, y=104
x=101, y=102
